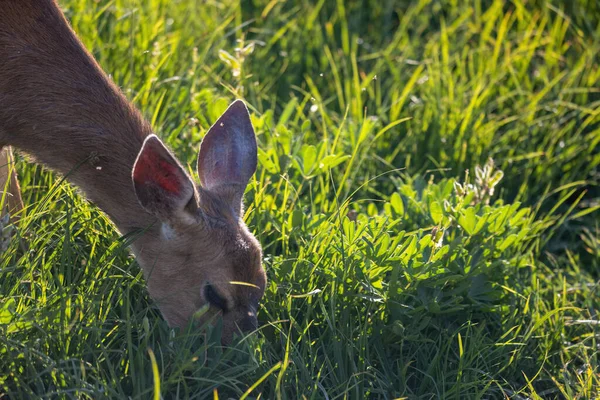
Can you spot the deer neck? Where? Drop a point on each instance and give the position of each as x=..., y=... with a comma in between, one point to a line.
x=57, y=105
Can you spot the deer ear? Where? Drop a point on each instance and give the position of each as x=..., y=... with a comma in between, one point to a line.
x=227, y=158
x=161, y=184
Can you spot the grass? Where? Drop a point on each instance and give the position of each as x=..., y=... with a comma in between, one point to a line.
x=401, y=262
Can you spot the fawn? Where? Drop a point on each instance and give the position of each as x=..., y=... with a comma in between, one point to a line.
x=57, y=105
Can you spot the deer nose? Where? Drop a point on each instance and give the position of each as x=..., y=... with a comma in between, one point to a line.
x=248, y=321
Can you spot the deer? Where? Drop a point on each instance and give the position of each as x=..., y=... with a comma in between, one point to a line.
x=60, y=108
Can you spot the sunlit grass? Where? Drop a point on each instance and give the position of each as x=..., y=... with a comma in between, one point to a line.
x=393, y=272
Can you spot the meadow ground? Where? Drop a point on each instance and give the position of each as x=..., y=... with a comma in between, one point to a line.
x=401, y=262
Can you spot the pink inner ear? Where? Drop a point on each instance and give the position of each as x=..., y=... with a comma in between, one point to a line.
x=151, y=168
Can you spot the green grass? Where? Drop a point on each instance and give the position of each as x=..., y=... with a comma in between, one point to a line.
x=393, y=272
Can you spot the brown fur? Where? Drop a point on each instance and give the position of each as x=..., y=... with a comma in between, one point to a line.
x=57, y=105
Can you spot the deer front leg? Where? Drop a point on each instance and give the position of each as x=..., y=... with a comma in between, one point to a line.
x=10, y=192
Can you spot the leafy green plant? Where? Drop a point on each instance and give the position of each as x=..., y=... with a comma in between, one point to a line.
x=402, y=261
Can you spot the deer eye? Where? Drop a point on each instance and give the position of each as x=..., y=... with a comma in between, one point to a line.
x=214, y=298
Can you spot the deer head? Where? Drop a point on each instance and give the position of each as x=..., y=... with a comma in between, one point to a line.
x=202, y=253
x=58, y=105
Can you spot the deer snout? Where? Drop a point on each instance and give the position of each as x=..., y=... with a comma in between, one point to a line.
x=238, y=323
x=248, y=321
